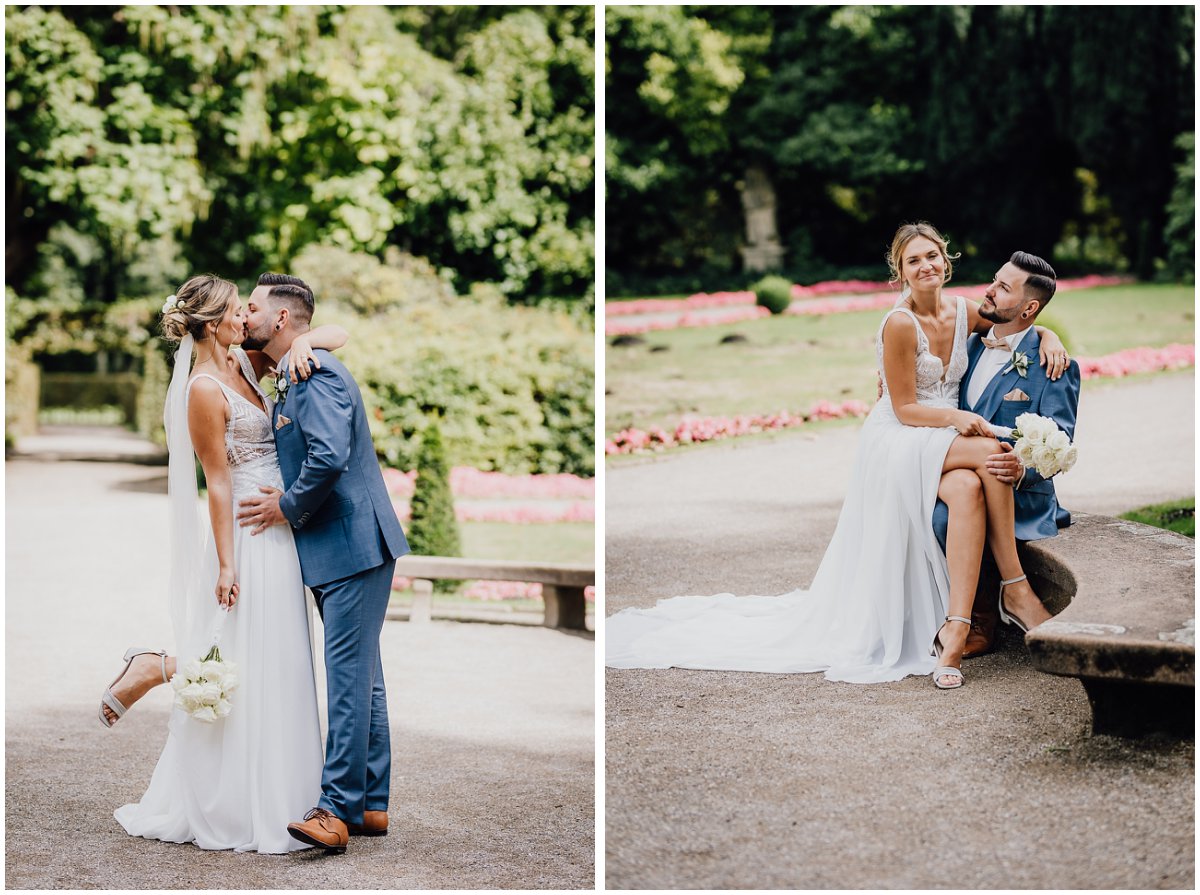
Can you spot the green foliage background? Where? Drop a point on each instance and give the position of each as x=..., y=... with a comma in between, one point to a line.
x=429, y=171
x=147, y=142
x=1053, y=129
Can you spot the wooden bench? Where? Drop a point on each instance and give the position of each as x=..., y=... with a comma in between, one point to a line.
x=1128, y=630
x=562, y=584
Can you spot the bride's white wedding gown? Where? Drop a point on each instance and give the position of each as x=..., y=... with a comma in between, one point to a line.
x=882, y=588
x=238, y=782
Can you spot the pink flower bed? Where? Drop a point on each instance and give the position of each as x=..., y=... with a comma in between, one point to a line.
x=520, y=514
x=1138, y=360
x=697, y=429
x=499, y=590
x=881, y=296
x=467, y=482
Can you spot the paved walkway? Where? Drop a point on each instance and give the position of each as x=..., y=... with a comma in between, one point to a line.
x=735, y=780
x=492, y=725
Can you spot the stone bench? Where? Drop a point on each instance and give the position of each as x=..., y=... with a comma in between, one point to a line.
x=562, y=584
x=1128, y=627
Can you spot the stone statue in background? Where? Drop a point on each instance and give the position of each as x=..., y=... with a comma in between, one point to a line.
x=763, y=250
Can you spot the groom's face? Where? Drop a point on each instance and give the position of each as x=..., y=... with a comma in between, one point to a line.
x=1005, y=298
x=259, y=317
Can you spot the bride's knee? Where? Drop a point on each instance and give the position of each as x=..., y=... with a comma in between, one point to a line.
x=961, y=487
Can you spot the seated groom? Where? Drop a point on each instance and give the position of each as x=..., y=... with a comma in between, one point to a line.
x=995, y=387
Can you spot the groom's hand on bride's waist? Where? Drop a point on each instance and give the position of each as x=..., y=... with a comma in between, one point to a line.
x=262, y=512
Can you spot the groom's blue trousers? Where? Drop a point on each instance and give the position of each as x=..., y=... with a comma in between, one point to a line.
x=358, y=752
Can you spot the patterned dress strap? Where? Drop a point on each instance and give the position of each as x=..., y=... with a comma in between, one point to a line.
x=921, y=338
x=248, y=372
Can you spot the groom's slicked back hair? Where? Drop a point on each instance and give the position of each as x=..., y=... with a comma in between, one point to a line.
x=293, y=292
x=1042, y=279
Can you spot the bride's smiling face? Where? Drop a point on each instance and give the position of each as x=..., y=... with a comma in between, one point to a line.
x=924, y=265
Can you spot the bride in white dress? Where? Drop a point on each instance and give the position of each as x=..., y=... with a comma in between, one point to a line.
x=884, y=599
x=235, y=783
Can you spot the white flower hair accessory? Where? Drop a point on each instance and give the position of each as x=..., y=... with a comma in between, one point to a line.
x=171, y=303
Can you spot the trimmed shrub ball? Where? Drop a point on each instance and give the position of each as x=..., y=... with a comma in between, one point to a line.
x=773, y=293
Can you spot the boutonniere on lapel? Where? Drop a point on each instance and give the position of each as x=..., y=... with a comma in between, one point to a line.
x=282, y=383
x=1020, y=363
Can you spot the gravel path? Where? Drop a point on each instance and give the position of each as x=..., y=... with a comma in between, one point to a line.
x=735, y=780
x=492, y=725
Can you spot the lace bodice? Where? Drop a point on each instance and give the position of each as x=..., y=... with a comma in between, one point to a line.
x=937, y=385
x=249, y=439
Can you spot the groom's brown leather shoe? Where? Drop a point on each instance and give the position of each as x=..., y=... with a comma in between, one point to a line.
x=374, y=824
x=322, y=829
x=982, y=635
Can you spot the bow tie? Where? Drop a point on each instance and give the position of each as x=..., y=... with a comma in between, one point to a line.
x=998, y=344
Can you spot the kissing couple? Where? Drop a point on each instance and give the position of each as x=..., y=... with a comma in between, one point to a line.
x=295, y=498
x=932, y=483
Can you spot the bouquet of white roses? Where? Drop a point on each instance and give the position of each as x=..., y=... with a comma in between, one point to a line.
x=1041, y=445
x=202, y=686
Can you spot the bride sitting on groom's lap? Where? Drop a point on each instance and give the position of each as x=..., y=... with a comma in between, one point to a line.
x=888, y=599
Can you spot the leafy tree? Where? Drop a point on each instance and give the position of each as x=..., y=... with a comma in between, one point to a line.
x=1007, y=126
x=1181, y=222
x=232, y=137
x=433, y=530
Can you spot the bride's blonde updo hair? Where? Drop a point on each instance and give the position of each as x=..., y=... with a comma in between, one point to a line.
x=906, y=234
x=200, y=300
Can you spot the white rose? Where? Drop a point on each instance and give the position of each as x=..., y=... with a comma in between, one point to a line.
x=223, y=708
x=211, y=693
x=1024, y=451
x=229, y=683
x=192, y=669
x=1069, y=456
x=1059, y=441
x=192, y=691
x=1043, y=460
x=206, y=714
x=211, y=669
x=1026, y=423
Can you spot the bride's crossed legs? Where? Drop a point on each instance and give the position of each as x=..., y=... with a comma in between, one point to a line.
x=970, y=453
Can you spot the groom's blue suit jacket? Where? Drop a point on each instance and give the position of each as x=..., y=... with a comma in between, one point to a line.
x=1036, y=509
x=336, y=500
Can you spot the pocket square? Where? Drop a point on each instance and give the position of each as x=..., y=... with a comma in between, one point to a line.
x=282, y=421
x=1016, y=395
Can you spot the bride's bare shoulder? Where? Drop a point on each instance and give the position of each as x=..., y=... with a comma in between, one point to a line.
x=899, y=324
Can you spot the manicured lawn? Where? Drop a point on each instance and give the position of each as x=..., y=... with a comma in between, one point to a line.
x=1179, y=515
x=572, y=542
x=789, y=363
x=567, y=542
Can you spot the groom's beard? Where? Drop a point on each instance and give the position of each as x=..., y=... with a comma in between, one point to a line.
x=254, y=341
x=997, y=316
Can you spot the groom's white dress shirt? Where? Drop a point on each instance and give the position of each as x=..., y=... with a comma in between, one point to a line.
x=991, y=362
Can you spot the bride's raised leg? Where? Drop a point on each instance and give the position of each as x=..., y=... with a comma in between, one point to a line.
x=962, y=493
x=142, y=674
x=971, y=453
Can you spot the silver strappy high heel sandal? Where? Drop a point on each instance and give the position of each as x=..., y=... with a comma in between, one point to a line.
x=1004, y=616
x=108, y=699
x=936, y=650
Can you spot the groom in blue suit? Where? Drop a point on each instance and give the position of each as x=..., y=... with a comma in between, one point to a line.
x=1003, y=381
x=348, y=539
